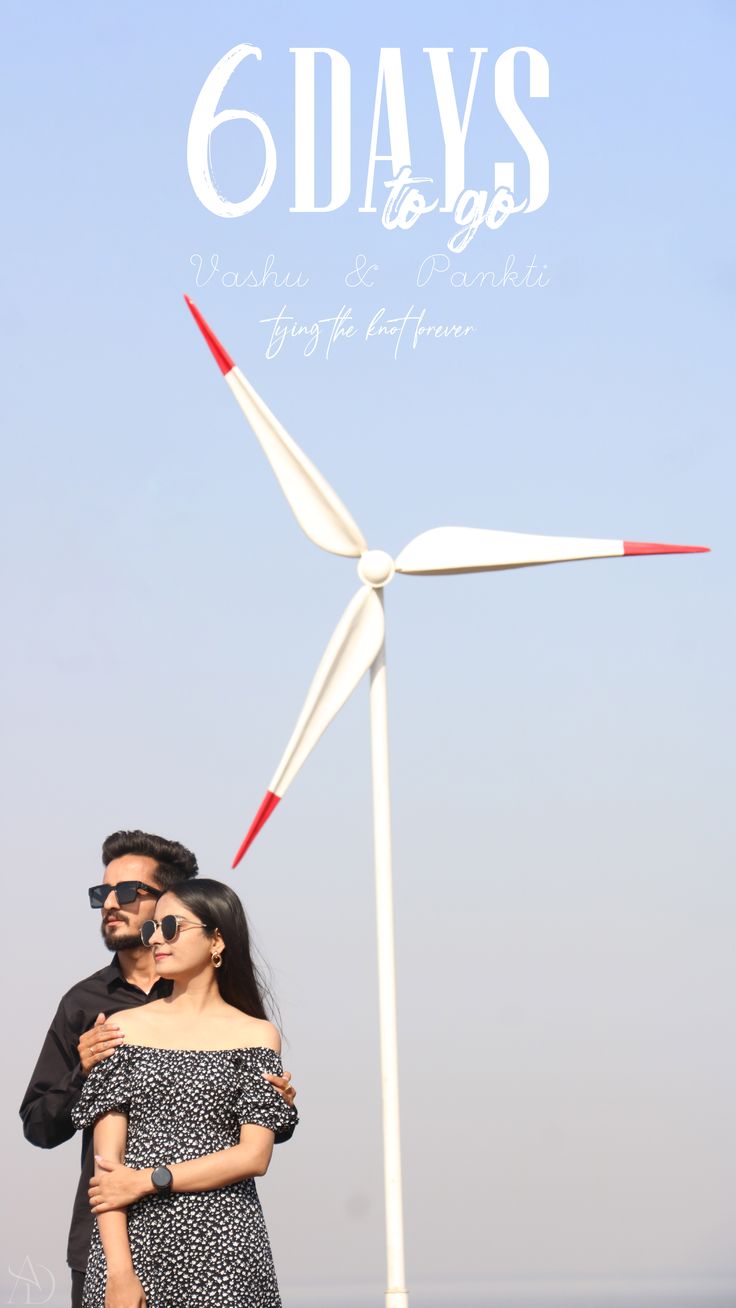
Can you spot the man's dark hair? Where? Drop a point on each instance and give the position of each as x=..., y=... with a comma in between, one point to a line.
x=174, y=862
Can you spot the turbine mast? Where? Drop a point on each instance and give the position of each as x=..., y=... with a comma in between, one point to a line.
x=396, y=1294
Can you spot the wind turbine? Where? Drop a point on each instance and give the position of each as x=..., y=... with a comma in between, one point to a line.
x=357, y=645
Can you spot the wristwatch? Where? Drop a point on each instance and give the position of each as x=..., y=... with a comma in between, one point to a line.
x=162, y=1178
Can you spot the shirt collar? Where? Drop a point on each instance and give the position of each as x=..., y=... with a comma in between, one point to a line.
x=112, y=976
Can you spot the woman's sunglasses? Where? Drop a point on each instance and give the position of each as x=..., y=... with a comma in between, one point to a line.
x=170, y=927
x=125, y=892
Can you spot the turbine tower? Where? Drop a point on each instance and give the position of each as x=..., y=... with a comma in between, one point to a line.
x=356, y=646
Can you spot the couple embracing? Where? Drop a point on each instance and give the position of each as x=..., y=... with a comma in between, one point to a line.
x=168, y=1063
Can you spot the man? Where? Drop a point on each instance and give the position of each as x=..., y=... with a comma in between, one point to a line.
x=141, y=867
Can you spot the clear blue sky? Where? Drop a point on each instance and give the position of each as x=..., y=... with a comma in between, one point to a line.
x=561, y=737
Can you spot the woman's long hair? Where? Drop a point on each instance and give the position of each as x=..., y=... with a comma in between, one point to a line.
x=217, y=906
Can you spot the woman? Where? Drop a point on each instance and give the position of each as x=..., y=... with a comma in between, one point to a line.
x=184, y=1120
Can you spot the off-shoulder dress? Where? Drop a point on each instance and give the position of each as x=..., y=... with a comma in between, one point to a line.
x=209, y=1248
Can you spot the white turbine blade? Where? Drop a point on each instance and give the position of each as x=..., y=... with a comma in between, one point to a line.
x=470, y=549
x=350, y=652
x=320, y=513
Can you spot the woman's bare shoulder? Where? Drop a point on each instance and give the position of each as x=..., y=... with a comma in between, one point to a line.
x=134, y=1020
x=270, y=1037
x=257, y=1031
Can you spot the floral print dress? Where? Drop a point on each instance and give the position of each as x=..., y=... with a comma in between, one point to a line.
x=210, y=1248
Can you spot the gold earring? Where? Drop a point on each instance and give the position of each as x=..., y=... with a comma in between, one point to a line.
x=216, y=960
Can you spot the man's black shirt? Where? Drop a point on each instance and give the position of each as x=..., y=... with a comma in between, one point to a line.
x=57, y=1081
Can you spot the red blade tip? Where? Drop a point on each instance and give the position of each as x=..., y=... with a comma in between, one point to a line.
x=222, y=358
x=648, y=547
x=261, y=818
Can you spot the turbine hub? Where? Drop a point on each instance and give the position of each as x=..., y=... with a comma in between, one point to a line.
x=376, y=568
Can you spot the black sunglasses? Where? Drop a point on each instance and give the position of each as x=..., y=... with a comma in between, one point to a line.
x=125, y=892
x=170, y=926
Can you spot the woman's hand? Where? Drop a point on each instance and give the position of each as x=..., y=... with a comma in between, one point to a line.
x=117, y=1186
x=124, y=1290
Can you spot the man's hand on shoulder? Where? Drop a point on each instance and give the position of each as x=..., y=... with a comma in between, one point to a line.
x=281, y=1083
x=99, y=1042
x=272, y=1040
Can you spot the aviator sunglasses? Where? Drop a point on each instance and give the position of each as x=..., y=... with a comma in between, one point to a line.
x=170, y=927
x=125, y=892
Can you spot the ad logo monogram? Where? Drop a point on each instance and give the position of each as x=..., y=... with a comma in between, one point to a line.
x=29, y=1288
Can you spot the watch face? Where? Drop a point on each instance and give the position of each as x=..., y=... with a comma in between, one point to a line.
x=161, y=1177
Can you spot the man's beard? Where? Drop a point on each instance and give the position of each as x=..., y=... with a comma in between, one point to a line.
x=117, y=943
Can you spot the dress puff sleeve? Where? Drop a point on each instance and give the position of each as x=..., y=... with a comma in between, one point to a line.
x=105, y=1090
x=257, y=1102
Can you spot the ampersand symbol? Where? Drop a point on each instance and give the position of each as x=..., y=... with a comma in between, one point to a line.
x=360, y=273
